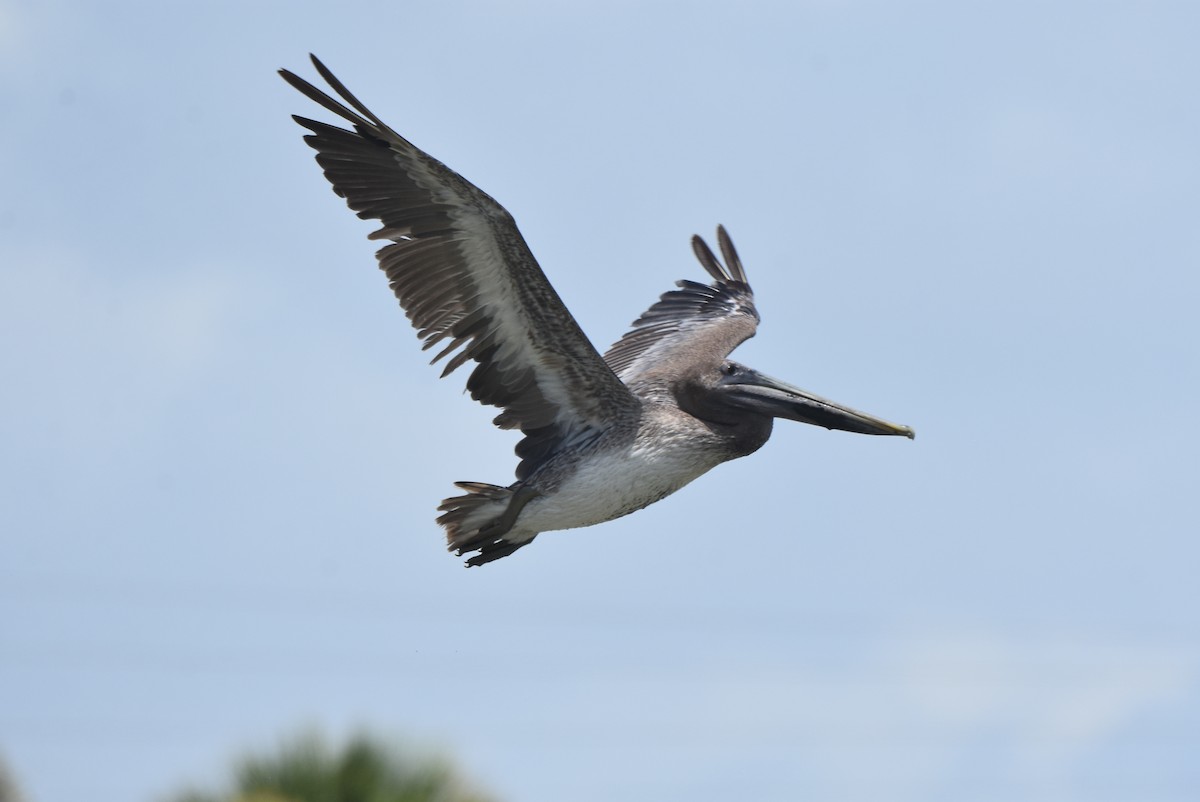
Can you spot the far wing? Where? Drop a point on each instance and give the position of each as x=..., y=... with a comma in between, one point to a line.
x=695, y=323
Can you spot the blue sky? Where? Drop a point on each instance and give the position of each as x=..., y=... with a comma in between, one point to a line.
x=222, y=447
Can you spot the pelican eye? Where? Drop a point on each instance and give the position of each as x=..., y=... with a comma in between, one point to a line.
x=729, y=369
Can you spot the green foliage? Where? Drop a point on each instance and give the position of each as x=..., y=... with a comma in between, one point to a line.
x=365, y=770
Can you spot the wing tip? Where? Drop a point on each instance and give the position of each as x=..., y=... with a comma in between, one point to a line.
x=732, y=270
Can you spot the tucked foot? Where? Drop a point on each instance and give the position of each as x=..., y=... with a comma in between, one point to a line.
x=480, y=520
x=494, y=551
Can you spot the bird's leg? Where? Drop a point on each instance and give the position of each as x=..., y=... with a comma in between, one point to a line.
x=496, y=529
x=520, y=498
x=489, y=539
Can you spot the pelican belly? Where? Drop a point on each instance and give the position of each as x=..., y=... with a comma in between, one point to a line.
x=611, y=482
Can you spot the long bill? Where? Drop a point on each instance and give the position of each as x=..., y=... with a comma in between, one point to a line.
x=756, y=391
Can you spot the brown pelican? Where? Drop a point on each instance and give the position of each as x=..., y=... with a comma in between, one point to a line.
x=604, y=436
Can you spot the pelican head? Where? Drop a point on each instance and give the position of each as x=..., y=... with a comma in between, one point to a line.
x=739, y=397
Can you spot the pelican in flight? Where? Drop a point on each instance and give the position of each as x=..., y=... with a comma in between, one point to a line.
x=604, y=436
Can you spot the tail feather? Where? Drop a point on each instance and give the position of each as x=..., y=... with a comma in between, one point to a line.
x=480, y=520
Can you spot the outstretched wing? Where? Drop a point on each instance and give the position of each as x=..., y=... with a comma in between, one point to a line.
x=463, y=273
x=694, y=324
